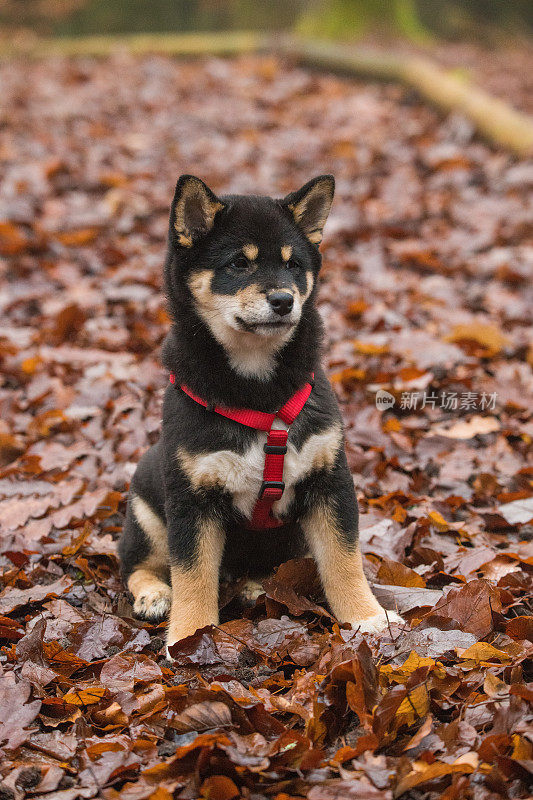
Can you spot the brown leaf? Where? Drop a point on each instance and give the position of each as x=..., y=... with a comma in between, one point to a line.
x=202, y=716
x=293, y=584
x=11, y=598
x=85, y=697
x=199, y=648
x=471, y=608
x=491, y=339
x=424, y=773
x=125, y=670
x=219, y=787
x=12, y=239
x=396, y=574
x=18, y=711
x=520, y=628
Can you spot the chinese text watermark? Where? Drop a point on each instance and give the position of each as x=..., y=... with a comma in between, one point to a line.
x=447, y=401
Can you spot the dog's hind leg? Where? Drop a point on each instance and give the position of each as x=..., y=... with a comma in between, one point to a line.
x=145, y=560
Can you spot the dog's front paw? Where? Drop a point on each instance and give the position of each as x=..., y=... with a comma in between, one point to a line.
x=153, y=604
x=378, y=622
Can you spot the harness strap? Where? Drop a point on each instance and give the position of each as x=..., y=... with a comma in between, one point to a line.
x=272, y=487
x=275, y=447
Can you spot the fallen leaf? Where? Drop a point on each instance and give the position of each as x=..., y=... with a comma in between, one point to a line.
x=518, y=511
x=520, y=628
x=396, y=574
x=489, y=337
x=471, y=607
x=85, y=697
x=18, y=711
x=483, y=651
x=475, y=426
x=424, y=773
x=11, y=598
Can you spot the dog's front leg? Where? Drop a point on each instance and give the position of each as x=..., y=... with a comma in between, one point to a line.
x=330, y=527
x=196, y=542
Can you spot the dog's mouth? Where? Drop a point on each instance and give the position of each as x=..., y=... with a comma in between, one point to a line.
x=270, y=327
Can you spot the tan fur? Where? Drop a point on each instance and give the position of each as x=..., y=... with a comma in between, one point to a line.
x=242, y=475
x=155, y=529
x=185, y=241
x=151, y=594
x=313, y=230
x=194, y=191
x=286, y=252
x=310, y=283
x=249, y=353
x=341, y=570
x=195, y=590
x=251, y=251
x=148, y=582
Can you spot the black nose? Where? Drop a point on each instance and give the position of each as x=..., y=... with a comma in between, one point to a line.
x=281, y=302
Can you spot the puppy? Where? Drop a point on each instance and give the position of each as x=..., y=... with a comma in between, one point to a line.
x=250, y=468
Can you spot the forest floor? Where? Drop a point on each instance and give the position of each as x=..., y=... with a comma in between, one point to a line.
x=426, y=294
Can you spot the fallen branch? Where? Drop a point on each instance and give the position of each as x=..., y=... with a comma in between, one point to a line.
x=493, y=118
x=184, y=45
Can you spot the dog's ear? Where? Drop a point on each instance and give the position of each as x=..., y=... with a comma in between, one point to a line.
x=310, y=206
x=193, y=210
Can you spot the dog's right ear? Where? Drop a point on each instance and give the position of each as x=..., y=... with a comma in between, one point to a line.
x=193, y=210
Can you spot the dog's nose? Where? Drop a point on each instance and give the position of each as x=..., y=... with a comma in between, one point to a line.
x=281, y=302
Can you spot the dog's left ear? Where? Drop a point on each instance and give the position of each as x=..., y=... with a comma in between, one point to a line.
x=193, y=210
x=310, y=206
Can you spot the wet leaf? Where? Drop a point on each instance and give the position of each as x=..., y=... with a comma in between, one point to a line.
x=12, y=598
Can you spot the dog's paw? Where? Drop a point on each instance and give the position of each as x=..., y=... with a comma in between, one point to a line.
x=378, y=622
x=251, y=591
x=153, y=604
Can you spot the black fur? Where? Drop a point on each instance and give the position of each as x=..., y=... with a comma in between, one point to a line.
x=192, y=352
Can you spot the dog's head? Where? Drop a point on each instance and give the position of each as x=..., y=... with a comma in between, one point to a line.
x=248, y=264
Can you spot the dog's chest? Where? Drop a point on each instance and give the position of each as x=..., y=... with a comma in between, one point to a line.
x=242, y=474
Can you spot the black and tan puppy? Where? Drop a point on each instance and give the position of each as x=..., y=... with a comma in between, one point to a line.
x=241, y=275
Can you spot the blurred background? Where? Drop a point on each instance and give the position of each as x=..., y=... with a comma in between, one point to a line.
x=425, y=293
x=417, y=20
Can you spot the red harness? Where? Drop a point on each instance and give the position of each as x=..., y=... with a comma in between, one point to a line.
x=275, y=447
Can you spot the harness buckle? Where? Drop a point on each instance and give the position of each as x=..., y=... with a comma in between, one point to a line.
x=275, y=489
x=275, y=449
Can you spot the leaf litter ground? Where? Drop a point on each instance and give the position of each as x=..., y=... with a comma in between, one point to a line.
x=426, y=294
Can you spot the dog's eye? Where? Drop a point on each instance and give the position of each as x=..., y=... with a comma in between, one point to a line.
x=292, y=264
x=238, y=264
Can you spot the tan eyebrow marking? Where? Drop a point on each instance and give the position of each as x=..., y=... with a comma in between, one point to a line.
x=286, y=252
x=251, y=251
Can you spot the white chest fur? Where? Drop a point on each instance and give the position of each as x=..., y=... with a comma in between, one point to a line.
x=242, y=475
